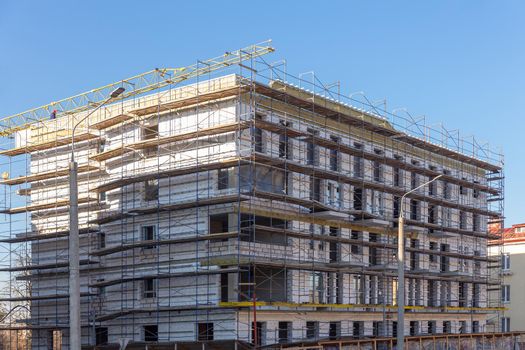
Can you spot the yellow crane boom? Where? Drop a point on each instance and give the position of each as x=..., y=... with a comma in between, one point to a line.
x=136, y=85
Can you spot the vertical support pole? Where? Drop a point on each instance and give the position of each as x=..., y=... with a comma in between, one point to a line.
x=74, y=263
x=383, y=301
x=400, y=283
x=255, y=334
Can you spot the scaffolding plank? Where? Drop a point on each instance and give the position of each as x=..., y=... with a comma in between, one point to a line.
x=209, y=131
x=158, y=309
x=273, y=230
x=42, y=236
x=48, y=145
x=112, y=121
x=361, y=182
x=320, y=141
x=229, y=259
x=44, y=297
x=34, y=327
x=219, y=164
x=48, y=205
x=200, y=272
x=315, y=205
x=143, y=243
x=115, y=152
x=119, y=215
x=47, y=175
x=383, y=245
x=280, y=129
x=198, y=98
x=48, y=266
x=309, y=218
x=144, y=144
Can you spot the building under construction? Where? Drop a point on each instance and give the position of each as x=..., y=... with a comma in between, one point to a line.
x=229, y=200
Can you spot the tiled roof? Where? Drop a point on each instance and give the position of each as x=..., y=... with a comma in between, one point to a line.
x=510, y=233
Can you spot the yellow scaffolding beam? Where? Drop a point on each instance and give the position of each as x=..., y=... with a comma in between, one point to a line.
x=239, y=304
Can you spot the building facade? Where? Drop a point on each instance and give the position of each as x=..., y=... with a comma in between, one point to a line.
x=510, y=248
x=234, y=208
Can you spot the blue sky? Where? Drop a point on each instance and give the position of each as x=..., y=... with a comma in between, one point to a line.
x=457, y=62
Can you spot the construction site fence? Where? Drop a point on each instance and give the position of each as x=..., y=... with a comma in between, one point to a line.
x=473, y=341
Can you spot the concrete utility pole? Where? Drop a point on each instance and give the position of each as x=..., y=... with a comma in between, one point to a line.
x=74, y=240
x=401, y=269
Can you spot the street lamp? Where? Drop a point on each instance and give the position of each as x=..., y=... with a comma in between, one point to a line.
x=401, y=270
x=74, y=244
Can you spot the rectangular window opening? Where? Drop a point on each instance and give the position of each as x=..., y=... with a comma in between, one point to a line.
x=101, y=335
x=285, y=330
x=149, y=288
x=151, y=333
x=205, y=331
x=312, y=330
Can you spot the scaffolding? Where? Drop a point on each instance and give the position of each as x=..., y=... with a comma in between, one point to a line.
x=230, y=200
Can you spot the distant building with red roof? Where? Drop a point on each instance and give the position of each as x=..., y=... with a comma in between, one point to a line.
x=510, y=246
x=515, y=234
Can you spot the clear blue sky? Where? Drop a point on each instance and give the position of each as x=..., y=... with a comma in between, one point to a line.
x=457, y=62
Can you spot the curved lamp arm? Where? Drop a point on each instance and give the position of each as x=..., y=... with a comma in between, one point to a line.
x=114, y=94
x=414, y=190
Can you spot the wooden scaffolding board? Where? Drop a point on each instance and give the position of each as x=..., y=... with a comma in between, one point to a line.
x=203, y=272
x=233, y=259
x=48, y=266
x=44, y=297
x=112, y=121
x=352, y=151
x=48, y=144
x=47, y=175
x=108, y=217
x=384, y=245
x=35, y=236
x=198, y=98
x=143, y=243
x=48, y=205
x=145, y=144
x=290, y=215
x=219, y=164
x=264, y=159
x=115, y=152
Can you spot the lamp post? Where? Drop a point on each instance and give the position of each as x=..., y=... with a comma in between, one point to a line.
x=74, y=244
x=401, y=269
